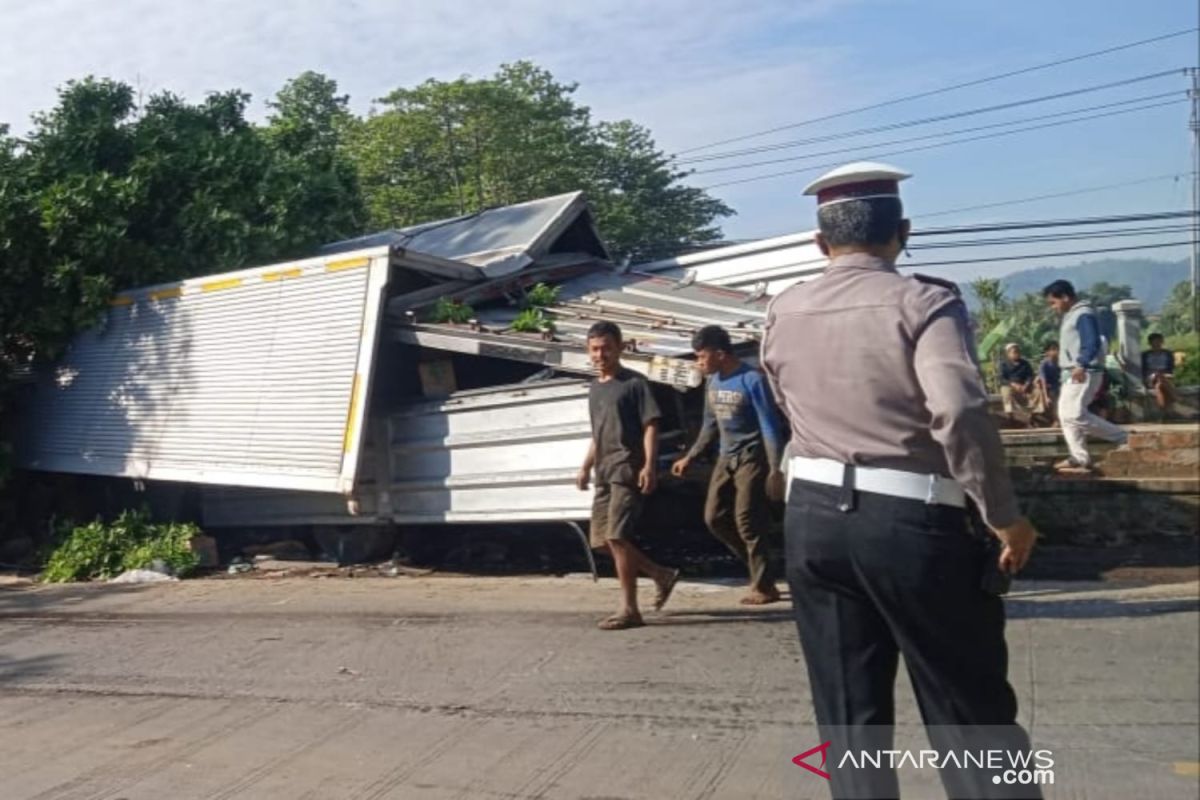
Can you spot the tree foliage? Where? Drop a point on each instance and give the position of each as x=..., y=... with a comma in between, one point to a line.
x=448, y=148
x=107, y=192
x=1178, y=313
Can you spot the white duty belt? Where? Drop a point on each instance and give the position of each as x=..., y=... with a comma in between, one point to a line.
x=932, y=489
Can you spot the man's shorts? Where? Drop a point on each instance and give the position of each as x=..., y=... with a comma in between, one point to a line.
x=615, y=511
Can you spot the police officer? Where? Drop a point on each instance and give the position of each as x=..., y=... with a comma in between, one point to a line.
x=886, y=464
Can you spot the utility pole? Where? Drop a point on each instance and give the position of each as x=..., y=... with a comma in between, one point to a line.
x=1194, y=125
x=1195, y=128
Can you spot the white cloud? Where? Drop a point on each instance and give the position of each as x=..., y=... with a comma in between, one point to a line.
x=628, y=55
x=693, y=72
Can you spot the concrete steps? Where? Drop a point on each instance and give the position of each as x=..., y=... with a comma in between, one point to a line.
x=1169, y=452
x=1154, y=451
x=1147, y=490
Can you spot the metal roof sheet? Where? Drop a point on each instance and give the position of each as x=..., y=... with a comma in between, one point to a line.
x=497, y=240
x=777, y=263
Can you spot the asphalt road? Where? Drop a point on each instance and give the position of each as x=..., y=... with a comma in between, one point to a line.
x=446, y=687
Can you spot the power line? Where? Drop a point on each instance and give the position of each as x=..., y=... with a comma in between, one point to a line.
x=1071, y=193
x=1180, y=94
x=1016, y=201
x=941, y=144
x=1111, y=219
x=1076, y=222
x=943, y=90
x=928, y=120
x=1055, y=237
x=1034, y=256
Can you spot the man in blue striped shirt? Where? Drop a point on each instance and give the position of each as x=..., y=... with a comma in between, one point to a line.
x=740, y=411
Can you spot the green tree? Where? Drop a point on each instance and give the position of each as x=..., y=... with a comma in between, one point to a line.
x=312, y=181
x=993, y=305
x=1033, y=324
x=642, y=206
x=1178, y=313
x=449, y=148
x=104, y=195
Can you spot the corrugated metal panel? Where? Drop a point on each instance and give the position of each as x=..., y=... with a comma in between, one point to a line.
x=253, y=378
x=505, y=454
x=508, y=454
x=499, y=241
x=778, y=263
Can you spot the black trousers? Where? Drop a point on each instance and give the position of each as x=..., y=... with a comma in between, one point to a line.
x=887, y=577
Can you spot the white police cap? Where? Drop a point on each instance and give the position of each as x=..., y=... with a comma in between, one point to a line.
x=862, y=180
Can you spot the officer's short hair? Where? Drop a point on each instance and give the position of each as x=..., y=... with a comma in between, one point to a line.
x=712, y=337
x=1060, y=289
x=1154, y=336
x=872, y=221
x=605, y=328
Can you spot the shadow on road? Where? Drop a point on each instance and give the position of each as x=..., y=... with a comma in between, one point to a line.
x=19, y=669
x=1099, y=608
x=15, y=601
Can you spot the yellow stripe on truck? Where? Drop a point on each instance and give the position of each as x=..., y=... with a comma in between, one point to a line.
x=283, y=274
x=216, y=286
x=348, y=436
x=167, y=294
x=350, y=263
x=121, y=301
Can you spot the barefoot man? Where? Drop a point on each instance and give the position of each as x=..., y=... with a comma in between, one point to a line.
x=738, y=410
x=623, y=453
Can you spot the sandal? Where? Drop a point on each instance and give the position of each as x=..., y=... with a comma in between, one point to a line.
x=664, y=590
x=621, y=622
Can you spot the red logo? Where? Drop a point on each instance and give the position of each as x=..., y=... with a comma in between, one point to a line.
x=799, y=760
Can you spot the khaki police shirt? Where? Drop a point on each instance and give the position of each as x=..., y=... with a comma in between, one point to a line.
x=877, y=369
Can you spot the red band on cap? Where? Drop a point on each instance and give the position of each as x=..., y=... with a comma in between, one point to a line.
x=859, y=189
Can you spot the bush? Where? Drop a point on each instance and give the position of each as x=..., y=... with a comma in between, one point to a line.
x=542, y=296
x=100, y=551
x=1187, y=373
x=448, y=310
x=532, y=320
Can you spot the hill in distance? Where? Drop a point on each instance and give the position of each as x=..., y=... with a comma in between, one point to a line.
x=1151, y=281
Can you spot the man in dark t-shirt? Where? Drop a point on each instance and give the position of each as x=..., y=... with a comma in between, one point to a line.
x=1158, y=373
x=1016, y=384
x=623, y=452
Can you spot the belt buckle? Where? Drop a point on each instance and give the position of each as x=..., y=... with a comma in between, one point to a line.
x=931, y=495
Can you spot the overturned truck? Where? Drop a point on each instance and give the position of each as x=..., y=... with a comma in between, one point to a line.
x=338, y=390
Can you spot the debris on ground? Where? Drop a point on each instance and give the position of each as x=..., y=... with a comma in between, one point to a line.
x=392, y=569
x=264, y=563
x=239, y=565
x=142, y=576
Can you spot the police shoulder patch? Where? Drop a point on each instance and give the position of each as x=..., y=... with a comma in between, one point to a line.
x=942, y=282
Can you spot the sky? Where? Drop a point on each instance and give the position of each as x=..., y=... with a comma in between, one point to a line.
x=700, y=71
